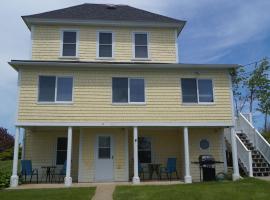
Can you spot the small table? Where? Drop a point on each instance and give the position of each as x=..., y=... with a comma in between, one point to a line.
x=153, y=167
x=49, y=170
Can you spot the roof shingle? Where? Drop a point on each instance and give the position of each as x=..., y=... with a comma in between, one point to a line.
x=104, y=12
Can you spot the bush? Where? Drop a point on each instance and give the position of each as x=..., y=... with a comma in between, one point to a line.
x=4, y=179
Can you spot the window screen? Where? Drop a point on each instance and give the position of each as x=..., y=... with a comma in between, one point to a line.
x=69, y=43
x=105, y=45
x=141, y=48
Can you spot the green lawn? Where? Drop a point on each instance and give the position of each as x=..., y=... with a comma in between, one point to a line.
x=51, y=194
x=247, y=189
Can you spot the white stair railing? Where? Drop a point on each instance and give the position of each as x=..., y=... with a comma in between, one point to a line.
x=254, y=136
x=245, y=156
x=243, y=153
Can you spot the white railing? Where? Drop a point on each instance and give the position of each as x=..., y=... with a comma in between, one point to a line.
x=245, y=156
x=254, y=136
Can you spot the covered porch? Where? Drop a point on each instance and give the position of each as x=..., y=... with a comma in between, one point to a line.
x=120, y=153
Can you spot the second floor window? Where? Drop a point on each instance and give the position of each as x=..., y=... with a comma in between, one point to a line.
x=105, y=45
x=140, y=45
x=55, y=89
x=69, y=47
x=197, y=90
x=128, y=90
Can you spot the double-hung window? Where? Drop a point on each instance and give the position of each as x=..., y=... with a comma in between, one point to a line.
x=105, y=44
x=144, y=150
x=197, y=90
x=69, y=43
x=61, y=150
x=140, y=45
x=128, y=90
x=55, y=89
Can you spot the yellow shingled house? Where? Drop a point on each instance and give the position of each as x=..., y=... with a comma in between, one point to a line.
x=104, y=97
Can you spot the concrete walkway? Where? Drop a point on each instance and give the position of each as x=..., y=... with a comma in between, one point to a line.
x=104, y=192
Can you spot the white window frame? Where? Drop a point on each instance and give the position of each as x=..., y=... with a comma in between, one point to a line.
x=133, y=45
x=197, y=85
x=55, y=91
x=129, y=102
x=97, y=45
x=62, y=42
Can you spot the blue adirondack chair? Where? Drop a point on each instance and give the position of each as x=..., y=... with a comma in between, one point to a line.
x=27, y=170
x=169, y=169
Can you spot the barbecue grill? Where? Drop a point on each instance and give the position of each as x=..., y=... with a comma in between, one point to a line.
x=207, y=168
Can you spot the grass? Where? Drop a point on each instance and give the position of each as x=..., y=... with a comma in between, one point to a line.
x=45, y=194
x=247, y=189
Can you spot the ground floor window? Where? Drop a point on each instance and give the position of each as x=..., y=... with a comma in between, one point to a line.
x=144, y=150
x=61, y=150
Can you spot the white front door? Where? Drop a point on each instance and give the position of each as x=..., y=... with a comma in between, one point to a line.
x=104, y=158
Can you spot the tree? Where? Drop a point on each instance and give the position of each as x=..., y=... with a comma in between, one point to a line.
x=6, y=140
x=238, y=88
x=263, y=92
x=256, y=82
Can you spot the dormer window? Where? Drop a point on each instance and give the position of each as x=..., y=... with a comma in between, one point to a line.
x=69, y=43
x=140, y=45
x=105, y=45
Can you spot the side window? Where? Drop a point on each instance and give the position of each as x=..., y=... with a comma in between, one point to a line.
x=105, y=47
x=144, y=150
x=197, y=90
x=61, y=150
x=140, y=45
x=69, y=47
x=55, y=89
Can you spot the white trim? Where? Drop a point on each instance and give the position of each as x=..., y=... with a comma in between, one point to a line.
x=125, y=124
x=176, y=48
x=97, y=45
x=178, y=25
x=14, y=179
x=188, y=178
x=128, y=102
x=55, y=102
x=68, y=178
x=62, y=42
x=148, y=46
x=80, y=154
x=136, y=178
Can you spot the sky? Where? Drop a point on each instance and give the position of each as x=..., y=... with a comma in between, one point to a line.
x=217, y=31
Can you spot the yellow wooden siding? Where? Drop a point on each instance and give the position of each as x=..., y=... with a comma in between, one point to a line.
x=40, y=147
x=93, y=102
x=214, y=136
x=46, y=42
x=87, y=162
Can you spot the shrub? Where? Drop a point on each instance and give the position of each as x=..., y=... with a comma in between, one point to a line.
x=4, y=179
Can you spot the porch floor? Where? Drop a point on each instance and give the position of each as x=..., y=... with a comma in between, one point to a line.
x=61, y=185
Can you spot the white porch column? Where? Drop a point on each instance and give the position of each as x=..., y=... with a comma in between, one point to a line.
x=14, y=178
x=236, y=175
x=188, y=178
x=68, y=179
x=136, y=178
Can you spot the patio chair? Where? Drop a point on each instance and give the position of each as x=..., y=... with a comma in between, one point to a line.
x=169, y=169
x=27, y=170
x=141, y=170
x=61, y=173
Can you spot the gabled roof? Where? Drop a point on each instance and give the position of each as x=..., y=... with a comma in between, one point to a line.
x=103, y=12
